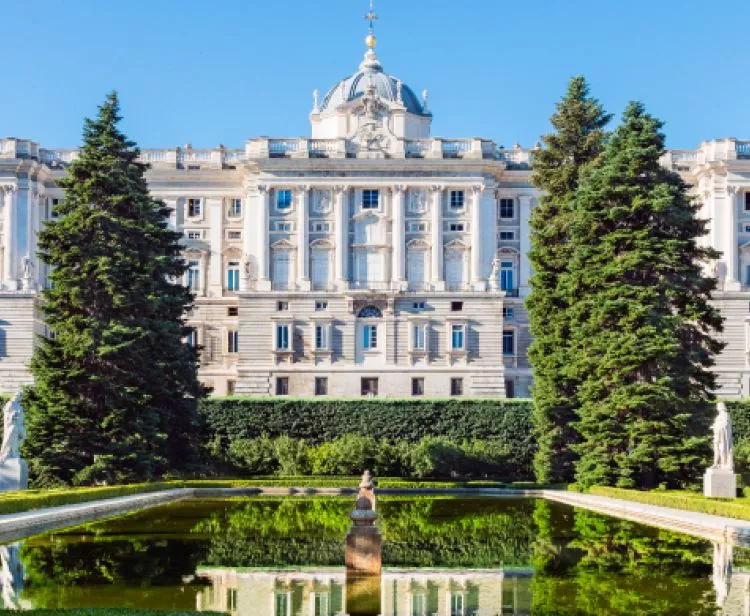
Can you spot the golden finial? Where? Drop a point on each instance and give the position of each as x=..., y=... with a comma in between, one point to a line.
x=370, y=39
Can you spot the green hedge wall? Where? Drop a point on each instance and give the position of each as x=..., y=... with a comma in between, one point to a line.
x=322, y=420
x=739, y=410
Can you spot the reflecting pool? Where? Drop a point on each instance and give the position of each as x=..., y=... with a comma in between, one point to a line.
x=441, y=555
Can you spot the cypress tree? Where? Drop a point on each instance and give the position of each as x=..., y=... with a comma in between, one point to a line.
x=116, y=388
x=642, y=326
x=576, y=144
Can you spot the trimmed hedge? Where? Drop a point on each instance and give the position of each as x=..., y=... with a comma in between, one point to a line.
x=690, y=501
x=739, y=411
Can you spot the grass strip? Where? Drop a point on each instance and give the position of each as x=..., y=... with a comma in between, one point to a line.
x=690, y=501
x=90, y=611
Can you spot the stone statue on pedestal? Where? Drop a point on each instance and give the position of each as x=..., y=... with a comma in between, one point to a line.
x=13, y=471
x=719, y=480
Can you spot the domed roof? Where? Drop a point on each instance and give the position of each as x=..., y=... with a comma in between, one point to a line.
x=386, y=87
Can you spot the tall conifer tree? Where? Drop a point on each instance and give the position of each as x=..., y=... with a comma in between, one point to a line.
x=576, y=144
x=116, y=389
x=641, y=323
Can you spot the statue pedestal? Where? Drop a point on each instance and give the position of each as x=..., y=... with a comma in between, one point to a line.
x=14, y=475
x=719, y=483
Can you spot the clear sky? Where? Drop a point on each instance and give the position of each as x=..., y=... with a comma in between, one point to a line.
x=205, y=73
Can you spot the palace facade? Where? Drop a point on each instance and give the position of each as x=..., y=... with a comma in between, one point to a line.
x=370, y=258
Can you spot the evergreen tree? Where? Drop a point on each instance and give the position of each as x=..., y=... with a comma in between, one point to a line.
x=641, y=323
x=577, y=143
x=116, y=389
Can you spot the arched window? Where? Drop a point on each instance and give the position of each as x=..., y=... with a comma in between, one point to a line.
x=370, y=312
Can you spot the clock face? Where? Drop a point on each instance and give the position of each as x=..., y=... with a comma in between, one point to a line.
x=322, y=202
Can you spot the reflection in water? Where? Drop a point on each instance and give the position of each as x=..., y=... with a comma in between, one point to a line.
x=444, y=556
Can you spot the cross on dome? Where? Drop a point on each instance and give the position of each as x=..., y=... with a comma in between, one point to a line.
x=370, y=39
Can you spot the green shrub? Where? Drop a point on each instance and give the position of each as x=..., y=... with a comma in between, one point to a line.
x=352, y=453
x=292, y=456
x=742, y=455
x=255, y=455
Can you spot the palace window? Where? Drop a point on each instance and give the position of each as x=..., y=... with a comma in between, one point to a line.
x=235, y=208
x=282, y=337
x=233, y=276
x=194, y=208
x=369, y=386
x=282, y=226
x=282, y=306
x=192, y=338
x=418, y=342
x=370, y=199
x=506, y=208
x=321, y=306
x=507, y=312
x=321, y=227
x=457, y=199
x=456, y=226
x=194, y=235
x=747, y=201
x=510, y=390
x=507, y=235
x=233, y=341
x=457, y=387
x=283, y=199
x=53, y=211
x=230, y=392
x=321, y=337
x=506, y=275
x=417, y=386
x=194, y=275
x=508, y=342
x=234, y=235
x=457, y=306
x=747, y=228
x=457, y=604
x=418, y=306
x=370, y=337
x=321, y=389
x=458, y=335
x=415, y=227
x=282, y=389
x=233, y=311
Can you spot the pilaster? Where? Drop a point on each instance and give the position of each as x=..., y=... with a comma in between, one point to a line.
x=262, y=231
x=438, y=282
x=341, y=222
x=478, y=280
x=731, y=282
x=524, y=265
x=303, y=238
x=398, y=263
x=216, y=230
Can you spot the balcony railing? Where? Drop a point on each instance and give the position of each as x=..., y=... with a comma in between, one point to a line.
x=510, y=292
x=374, y=285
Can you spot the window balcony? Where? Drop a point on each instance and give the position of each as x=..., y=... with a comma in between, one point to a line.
x=511, y=292
x=373, y=285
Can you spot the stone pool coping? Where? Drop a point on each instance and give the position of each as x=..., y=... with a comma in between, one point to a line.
x=18, y=525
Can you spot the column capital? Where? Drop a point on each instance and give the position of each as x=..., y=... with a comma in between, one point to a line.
x=477, y=189
x=399, y=188
x=733, y=190
x=9, y=188
x=304, y=187
x=437, y=188
x=263, y=189
x=340, y=188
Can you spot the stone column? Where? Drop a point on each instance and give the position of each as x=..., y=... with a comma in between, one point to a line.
x=263, y=205
x=171, y=203
x=398, y=262
x=303, y=238
x=249, y=239
x=215, y=270
x=437, y=239
x=524, y=266
x=731, y=283
x=478, y=280
x=341, y=221
x=10, y=256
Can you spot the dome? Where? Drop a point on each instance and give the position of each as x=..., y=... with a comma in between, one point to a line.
x=386, y=87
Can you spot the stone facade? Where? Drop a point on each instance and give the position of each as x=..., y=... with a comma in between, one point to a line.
x=369, y=259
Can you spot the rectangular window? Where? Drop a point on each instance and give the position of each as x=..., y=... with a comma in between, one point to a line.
x=370, y=337
x=230, y=392
x=233, y=311
x=456, y=226
x=747, y=228
x=506, y=275
x=53, y=211
x=321, y=337
x=235, y=208
x=508, y=342
x=506, y=208
x=418, y=306
x=321, y=227
x=369, y=387
x=194, y=208
x=417, y=386
x=283, y=199
x=457, y=387
x=418, y=341
x=457, y=605
x=233, y=276
x=510, y=390
x=282, y=226
x=282, y=337
x=194, y=275
x=321, y=386
x=457, y=306
x=507, y=235
x=507, y=312
x=370, y=199
x=282, y=389
x=192, y=338
x=457, y=337
x=234, y=235
x=415, y=227
x=457, y=199
x=282, y=306
x=233, y=341
x=194, y=235
x=321, y=306
x=747, y=201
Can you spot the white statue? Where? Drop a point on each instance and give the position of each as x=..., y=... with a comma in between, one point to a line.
x=27, y=266
x=316, y=104
x=723, y=446
x=11, y=575
x=13, y=430
x=722, y=571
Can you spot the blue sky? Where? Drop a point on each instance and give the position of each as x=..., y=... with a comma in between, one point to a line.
x=220, y=72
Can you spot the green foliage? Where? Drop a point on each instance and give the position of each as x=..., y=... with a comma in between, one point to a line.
x=690, y=501
x=351, y=454
x=108, y=612
x=115, y=390
x=576, y=144
x=642, y=325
